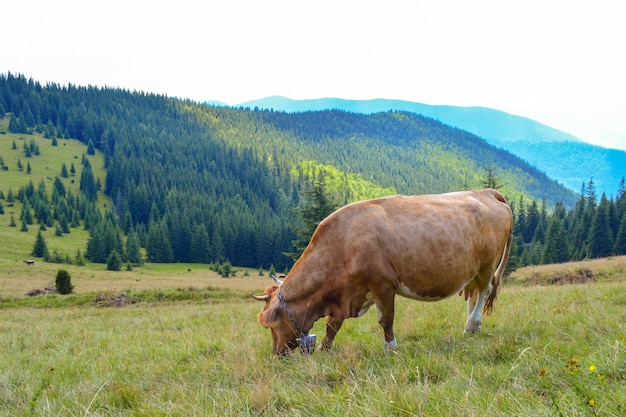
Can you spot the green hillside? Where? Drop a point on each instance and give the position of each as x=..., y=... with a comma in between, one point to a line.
x=188, y=182
x=560, y=155
x=45, y=167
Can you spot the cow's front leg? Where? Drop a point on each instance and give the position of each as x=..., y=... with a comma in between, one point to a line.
x=475, y=305
x=385, y=305
x=332, y=327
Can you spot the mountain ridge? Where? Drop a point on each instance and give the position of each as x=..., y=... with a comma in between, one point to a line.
x=519, y=135
x=526, y=128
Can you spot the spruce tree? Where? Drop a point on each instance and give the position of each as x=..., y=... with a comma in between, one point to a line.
x=133, y=250
x=490, y=179
x=114, y=261
x=619, y=248
x=556, y=247
x=40, y=249
x=600, y=240
x=158, y=245
x=88, y=183
x=199, y=246
x=91, y=149
x=64, y=282
x=96, y=251
x=316, y=207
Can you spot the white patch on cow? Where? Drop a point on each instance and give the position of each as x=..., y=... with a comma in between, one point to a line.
x=369, y=300
x=404, y=291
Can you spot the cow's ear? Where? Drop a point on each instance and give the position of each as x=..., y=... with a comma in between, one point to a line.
x=269, y=318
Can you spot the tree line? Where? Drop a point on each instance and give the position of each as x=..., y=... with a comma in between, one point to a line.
x=594, y=228
x=189, y=182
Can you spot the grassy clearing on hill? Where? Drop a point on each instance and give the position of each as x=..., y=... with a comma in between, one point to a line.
x=16, y=278
x=546, y=350
x=44, y=167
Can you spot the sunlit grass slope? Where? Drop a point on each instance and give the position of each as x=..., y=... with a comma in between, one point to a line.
x=44, y=167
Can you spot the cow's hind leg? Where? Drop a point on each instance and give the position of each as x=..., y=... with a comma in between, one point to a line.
x=475, y=305
x=332, y=327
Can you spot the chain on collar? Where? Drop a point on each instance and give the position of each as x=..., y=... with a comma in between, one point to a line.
x=284, y=305
x=307, y=342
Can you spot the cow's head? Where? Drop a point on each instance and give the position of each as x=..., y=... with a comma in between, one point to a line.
x=274, y=317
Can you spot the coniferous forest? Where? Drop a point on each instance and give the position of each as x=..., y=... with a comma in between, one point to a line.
x=189, y=182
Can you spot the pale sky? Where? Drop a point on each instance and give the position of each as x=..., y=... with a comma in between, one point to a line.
x=562, y=63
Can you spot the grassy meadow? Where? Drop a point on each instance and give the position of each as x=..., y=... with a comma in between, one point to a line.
x=186, y=342
x=189, y=345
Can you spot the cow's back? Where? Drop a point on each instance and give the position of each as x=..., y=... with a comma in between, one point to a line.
x=428, y=246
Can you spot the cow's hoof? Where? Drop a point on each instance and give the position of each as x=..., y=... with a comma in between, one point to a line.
x=390, y=346
x=472, y=328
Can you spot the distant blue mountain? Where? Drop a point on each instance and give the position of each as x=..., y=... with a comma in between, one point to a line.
x=560, y=155
x=483, y=122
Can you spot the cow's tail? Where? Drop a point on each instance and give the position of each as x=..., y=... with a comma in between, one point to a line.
x=497, y=277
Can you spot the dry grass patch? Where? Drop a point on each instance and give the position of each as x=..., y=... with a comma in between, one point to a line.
x=16, y=278
x=580, y=272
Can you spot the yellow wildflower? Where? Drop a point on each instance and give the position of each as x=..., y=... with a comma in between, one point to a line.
x=592, y=368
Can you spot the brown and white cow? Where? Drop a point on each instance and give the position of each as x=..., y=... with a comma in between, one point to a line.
x=424, y=247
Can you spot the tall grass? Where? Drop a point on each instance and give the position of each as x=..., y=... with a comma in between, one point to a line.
x=556, y=350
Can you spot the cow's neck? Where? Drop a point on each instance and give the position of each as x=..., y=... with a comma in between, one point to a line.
x=301, y=292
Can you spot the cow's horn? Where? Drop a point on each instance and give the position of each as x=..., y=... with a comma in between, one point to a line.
x=260, y=297
x=275, y=278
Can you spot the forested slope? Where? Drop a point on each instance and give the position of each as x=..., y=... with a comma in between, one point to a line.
x=198, y=183
x=560, y=155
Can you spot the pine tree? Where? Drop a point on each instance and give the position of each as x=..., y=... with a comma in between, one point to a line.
x=619, y=247
x=64, y=282
x=158, y=245
x=316, y=207
x=79, y=260
x=200, y=245
x=226, y=269
x=114, y=261
x=491, y=180
x=14, y=126
x=133, y=250
x=556, y=247
x=27, y=215
x=600, y=240
x=40, y=249
x=91, y=150
x=96, y=251
x=88, y=183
